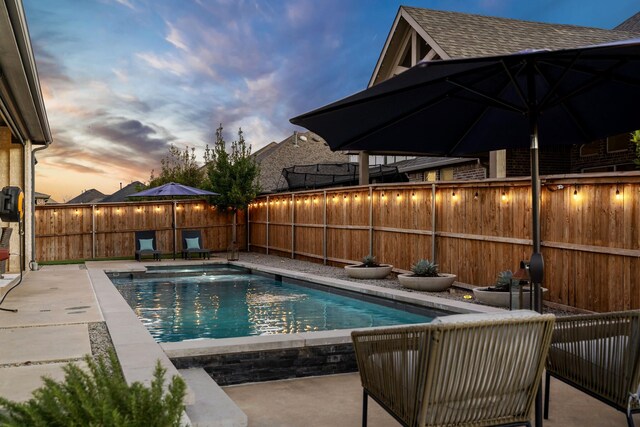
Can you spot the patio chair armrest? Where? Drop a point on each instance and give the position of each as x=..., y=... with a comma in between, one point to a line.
x=391, y=361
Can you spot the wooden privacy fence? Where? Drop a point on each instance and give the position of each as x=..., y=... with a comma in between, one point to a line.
x=92, y=231
x=590, y=231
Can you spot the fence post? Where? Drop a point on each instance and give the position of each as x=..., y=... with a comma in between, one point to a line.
x=370, y=220
x=248, y=227
x=324, y=228
x=267, y=227
x=293, y=227
x=433, y=222
x=93, y=231
x=174, y=227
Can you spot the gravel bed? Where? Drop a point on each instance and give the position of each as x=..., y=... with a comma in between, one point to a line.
x=100, y=340
x=456, y=292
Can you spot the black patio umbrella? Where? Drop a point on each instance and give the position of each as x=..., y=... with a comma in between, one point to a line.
x=463, y=107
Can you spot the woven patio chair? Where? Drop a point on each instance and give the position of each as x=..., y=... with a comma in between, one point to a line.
x=146, y=244
x=192, y=244
x=480, y=370
x=598, y=354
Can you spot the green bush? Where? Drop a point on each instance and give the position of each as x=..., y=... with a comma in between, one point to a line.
x=100, y=397
x=370, y=261
x=505, y=279
x=425, y=268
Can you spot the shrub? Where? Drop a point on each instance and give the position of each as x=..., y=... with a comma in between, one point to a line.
x=504, y=280
x=99, y=397
x=425, y=268
x=370, y=261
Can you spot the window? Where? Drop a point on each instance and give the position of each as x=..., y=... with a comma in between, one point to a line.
x=618, y=143
x=591, y=149
x=431, y=176
x=446, y=174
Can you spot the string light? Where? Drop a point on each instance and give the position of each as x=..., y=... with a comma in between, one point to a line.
x=413, y=196
x=618, y=195
x=504, y=196
x=453, y=195
x=475, y=196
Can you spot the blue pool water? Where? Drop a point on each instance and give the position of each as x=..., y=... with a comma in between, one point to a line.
x=225, y=302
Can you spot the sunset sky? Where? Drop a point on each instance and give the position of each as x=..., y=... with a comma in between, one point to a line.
x=123, y=79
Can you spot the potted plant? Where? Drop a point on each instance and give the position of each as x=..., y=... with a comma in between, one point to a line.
x=498, y=295
x=368, y=269
x=425, y=277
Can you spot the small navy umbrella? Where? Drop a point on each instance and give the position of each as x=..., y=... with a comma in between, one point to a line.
x=173, y=189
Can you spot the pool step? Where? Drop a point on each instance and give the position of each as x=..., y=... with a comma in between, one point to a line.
x=212, y=406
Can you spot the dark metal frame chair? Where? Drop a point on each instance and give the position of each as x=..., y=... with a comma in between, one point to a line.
x=201, y=252
x=148, y=234
x=599, y=354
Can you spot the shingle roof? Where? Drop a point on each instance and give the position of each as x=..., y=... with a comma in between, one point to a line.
x=89, y=196
x=426, y=162
x=466, y=35
x=631, y=24
x=120, y=195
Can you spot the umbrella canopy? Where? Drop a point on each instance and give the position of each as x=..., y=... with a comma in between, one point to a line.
x=173, y=189
x=466, y=106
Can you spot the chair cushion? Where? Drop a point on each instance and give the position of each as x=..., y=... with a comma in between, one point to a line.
x=477, y=317
x=146, y=244
x=193, y=243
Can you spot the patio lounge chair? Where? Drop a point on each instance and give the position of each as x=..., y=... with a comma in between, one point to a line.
x=192, y=244
x=598, y=354
x=146, y=244
x=481, y=370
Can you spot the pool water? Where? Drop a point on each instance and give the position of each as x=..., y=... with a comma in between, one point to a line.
x=226, y=302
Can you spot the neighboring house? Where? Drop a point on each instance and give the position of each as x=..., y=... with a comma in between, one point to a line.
x=441, y=168
x=423, y=34
x=43, y=199
x=94, y=196
x=121, y=195
x=87, y=197
x=24, y=128
x=301, y=148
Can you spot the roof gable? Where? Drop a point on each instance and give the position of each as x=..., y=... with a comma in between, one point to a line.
x=460, y=35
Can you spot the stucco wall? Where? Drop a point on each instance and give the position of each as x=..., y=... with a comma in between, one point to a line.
x=11, y=168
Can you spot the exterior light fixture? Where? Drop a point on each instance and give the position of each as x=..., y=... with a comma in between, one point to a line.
x=504, y=196
x=453, y=195
x=413, y=196
x=382, y=196
x=618, y=195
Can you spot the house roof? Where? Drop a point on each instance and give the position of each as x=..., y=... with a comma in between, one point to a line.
x=120, y=195
x=631, y=24
x=462, y=35
x=426, y=163
x=298, y=149
x=88, y=196
x=21, y=103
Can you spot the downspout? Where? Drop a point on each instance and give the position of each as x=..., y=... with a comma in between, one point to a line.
x=33, y=199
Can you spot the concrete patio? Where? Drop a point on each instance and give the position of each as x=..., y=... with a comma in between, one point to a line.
x=56, y=305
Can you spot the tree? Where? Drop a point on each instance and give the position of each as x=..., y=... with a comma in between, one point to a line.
x=635, y=138
x=180, y=167
x=232, y=174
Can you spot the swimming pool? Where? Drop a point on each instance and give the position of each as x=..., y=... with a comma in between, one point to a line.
x=222, y=301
